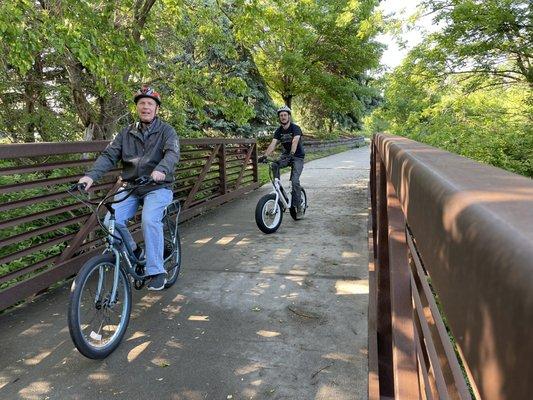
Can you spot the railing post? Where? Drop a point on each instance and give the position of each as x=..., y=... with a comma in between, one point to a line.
x=386, y=377
x=254, y=163
x=222, y=168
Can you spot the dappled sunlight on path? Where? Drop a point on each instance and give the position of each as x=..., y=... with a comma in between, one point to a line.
x=253, y=316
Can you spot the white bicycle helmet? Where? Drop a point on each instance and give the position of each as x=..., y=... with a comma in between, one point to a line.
x=286, y=109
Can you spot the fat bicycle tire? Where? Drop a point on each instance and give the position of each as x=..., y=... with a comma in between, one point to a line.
x=99, y=267
x=172, y=254
x=262, y=210
x=296, y=216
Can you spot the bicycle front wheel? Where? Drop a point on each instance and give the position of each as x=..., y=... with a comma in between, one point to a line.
x=268, y=215
x=97, y=322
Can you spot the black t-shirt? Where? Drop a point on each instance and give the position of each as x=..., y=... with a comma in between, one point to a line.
x=285, y=137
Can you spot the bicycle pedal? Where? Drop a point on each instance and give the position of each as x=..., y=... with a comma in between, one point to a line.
x=139, y=284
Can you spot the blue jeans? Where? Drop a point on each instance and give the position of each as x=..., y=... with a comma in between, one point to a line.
x=154, y=204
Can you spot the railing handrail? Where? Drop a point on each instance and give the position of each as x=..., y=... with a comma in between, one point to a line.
x=339, y=140
x=472, y=227
x=17, y=150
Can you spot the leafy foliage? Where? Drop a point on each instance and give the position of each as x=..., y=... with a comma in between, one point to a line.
x=490, y=37
x=468, y=88
x=316, y=52
x=70, y=66
x=492, y=125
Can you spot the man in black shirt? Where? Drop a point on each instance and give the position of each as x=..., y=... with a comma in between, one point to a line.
x=290, y=136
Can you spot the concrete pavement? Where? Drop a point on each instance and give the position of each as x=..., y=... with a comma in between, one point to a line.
x=253, y=316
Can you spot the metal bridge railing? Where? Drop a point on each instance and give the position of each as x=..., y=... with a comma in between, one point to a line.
x=451, y=245
x=317, y=145
x=45, y=235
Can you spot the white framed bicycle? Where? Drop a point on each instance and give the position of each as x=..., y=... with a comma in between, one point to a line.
x=270, y=208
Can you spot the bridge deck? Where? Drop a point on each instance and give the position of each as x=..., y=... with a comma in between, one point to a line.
x=254, y=316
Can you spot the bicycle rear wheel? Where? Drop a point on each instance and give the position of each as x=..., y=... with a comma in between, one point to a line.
x=172, y=253
x=96, y=322
x=295, y=215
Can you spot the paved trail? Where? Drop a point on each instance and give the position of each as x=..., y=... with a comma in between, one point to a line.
x=253, y=316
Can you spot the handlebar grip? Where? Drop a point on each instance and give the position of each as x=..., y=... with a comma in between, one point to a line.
x=78, y=186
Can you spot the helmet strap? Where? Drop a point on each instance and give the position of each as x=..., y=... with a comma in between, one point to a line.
x=144, y=125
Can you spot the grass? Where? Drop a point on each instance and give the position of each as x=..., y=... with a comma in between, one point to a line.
x=452, y=338
x=310, y=156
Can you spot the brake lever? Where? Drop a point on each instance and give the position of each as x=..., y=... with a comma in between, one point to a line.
x=143, y=180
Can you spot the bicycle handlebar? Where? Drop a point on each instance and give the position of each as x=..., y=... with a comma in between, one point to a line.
x=77, y=186
x=131, y=187
x=265, y=160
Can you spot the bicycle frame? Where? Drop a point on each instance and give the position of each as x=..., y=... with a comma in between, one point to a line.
x=279, y=191
x=120, y=247
x=126, y=252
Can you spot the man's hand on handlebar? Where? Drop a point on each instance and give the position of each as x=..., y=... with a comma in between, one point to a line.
x=85, y=182
x=158, y=176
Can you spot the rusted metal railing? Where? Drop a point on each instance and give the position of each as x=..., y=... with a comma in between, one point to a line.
x=45, y=235
x=451, y=241
x=317, y=145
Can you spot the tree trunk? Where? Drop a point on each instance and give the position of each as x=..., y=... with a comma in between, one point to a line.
x=288, y=100
x=140, y=15
x=330, y=125
x=28, y=136
x=88, y=134
x=83, y=108
x=34, y=98
x=113, y=111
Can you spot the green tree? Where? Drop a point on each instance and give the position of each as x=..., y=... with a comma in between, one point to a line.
x=211, y=84
x=492, y=124
x=488, y=38
x=53, y=46
x=67, y=69
x=319, y=51
x=468, y=88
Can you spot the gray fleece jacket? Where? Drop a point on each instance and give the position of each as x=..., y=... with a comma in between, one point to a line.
x=156, y=149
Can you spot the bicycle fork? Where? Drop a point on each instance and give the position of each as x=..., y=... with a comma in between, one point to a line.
x=280, y=195
x=116, y=273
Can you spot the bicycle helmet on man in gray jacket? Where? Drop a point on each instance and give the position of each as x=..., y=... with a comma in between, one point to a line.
x=147, y=91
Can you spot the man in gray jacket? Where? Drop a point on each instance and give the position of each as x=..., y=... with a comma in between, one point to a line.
x=149, y=147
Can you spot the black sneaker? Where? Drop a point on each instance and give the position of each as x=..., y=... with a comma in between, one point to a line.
x=157, y=282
